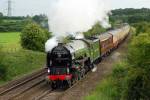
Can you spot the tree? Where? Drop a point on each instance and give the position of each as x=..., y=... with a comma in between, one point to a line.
x=33, y=37
x=41, y=20
x=142, y=27
x=96, y=29
x=130, y=15
x=138, y=79
x=1, y=14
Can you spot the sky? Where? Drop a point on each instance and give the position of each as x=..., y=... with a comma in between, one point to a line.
x=32, y=7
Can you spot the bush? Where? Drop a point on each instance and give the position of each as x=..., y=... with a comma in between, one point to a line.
x=137, y=85
x=97, y=29
x=33, y=37
x=118, y=74
x=2, y=66
x=120, y=70
x=2, y=71
x=138, y=79
x=142, y=27
x=104, y=91
x=139, y=55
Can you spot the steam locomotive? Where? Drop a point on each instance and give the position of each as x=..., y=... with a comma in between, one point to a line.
x=68, y=63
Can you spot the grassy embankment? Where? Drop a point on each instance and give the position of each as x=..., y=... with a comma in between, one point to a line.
x=18, y=61
x=130, y=79
x=111, y=86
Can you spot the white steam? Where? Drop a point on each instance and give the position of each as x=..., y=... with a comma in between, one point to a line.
x=79, y=36
x=50, y=44
x=72, y=16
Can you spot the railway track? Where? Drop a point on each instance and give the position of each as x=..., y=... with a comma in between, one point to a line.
x=22, y=86
x=44, y=94
x=58, y=92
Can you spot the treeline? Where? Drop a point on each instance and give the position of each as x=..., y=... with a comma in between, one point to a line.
x=130, y=15
x=130, y=79
x=11, y=25
x=17, y=23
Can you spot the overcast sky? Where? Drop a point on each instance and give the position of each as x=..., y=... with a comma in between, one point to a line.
x=32, y=7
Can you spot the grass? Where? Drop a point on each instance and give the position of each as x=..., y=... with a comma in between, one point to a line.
x=104, y=91
x=18, y=61
x=10, y=41
x=112, y=86
x=22, y=62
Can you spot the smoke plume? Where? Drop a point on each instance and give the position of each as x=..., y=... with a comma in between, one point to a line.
x=72, y=16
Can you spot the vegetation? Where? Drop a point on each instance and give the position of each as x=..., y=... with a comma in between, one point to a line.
x=14, y=60
x=16, y=24
x=96, y=29
x=130, y=15
x=1, y=14
x=142, y=27
x=2, y=67
x=33, y=37
x=42, y=20
x=19, y=63
x=137, y=80
x=12, y=24
x=130, y=79
x=10, y=41
x=111, y=87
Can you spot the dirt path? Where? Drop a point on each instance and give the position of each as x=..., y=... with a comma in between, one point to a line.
x=84, y=87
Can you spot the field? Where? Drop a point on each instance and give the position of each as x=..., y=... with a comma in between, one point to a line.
x=18, y=61
x=10, y=41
